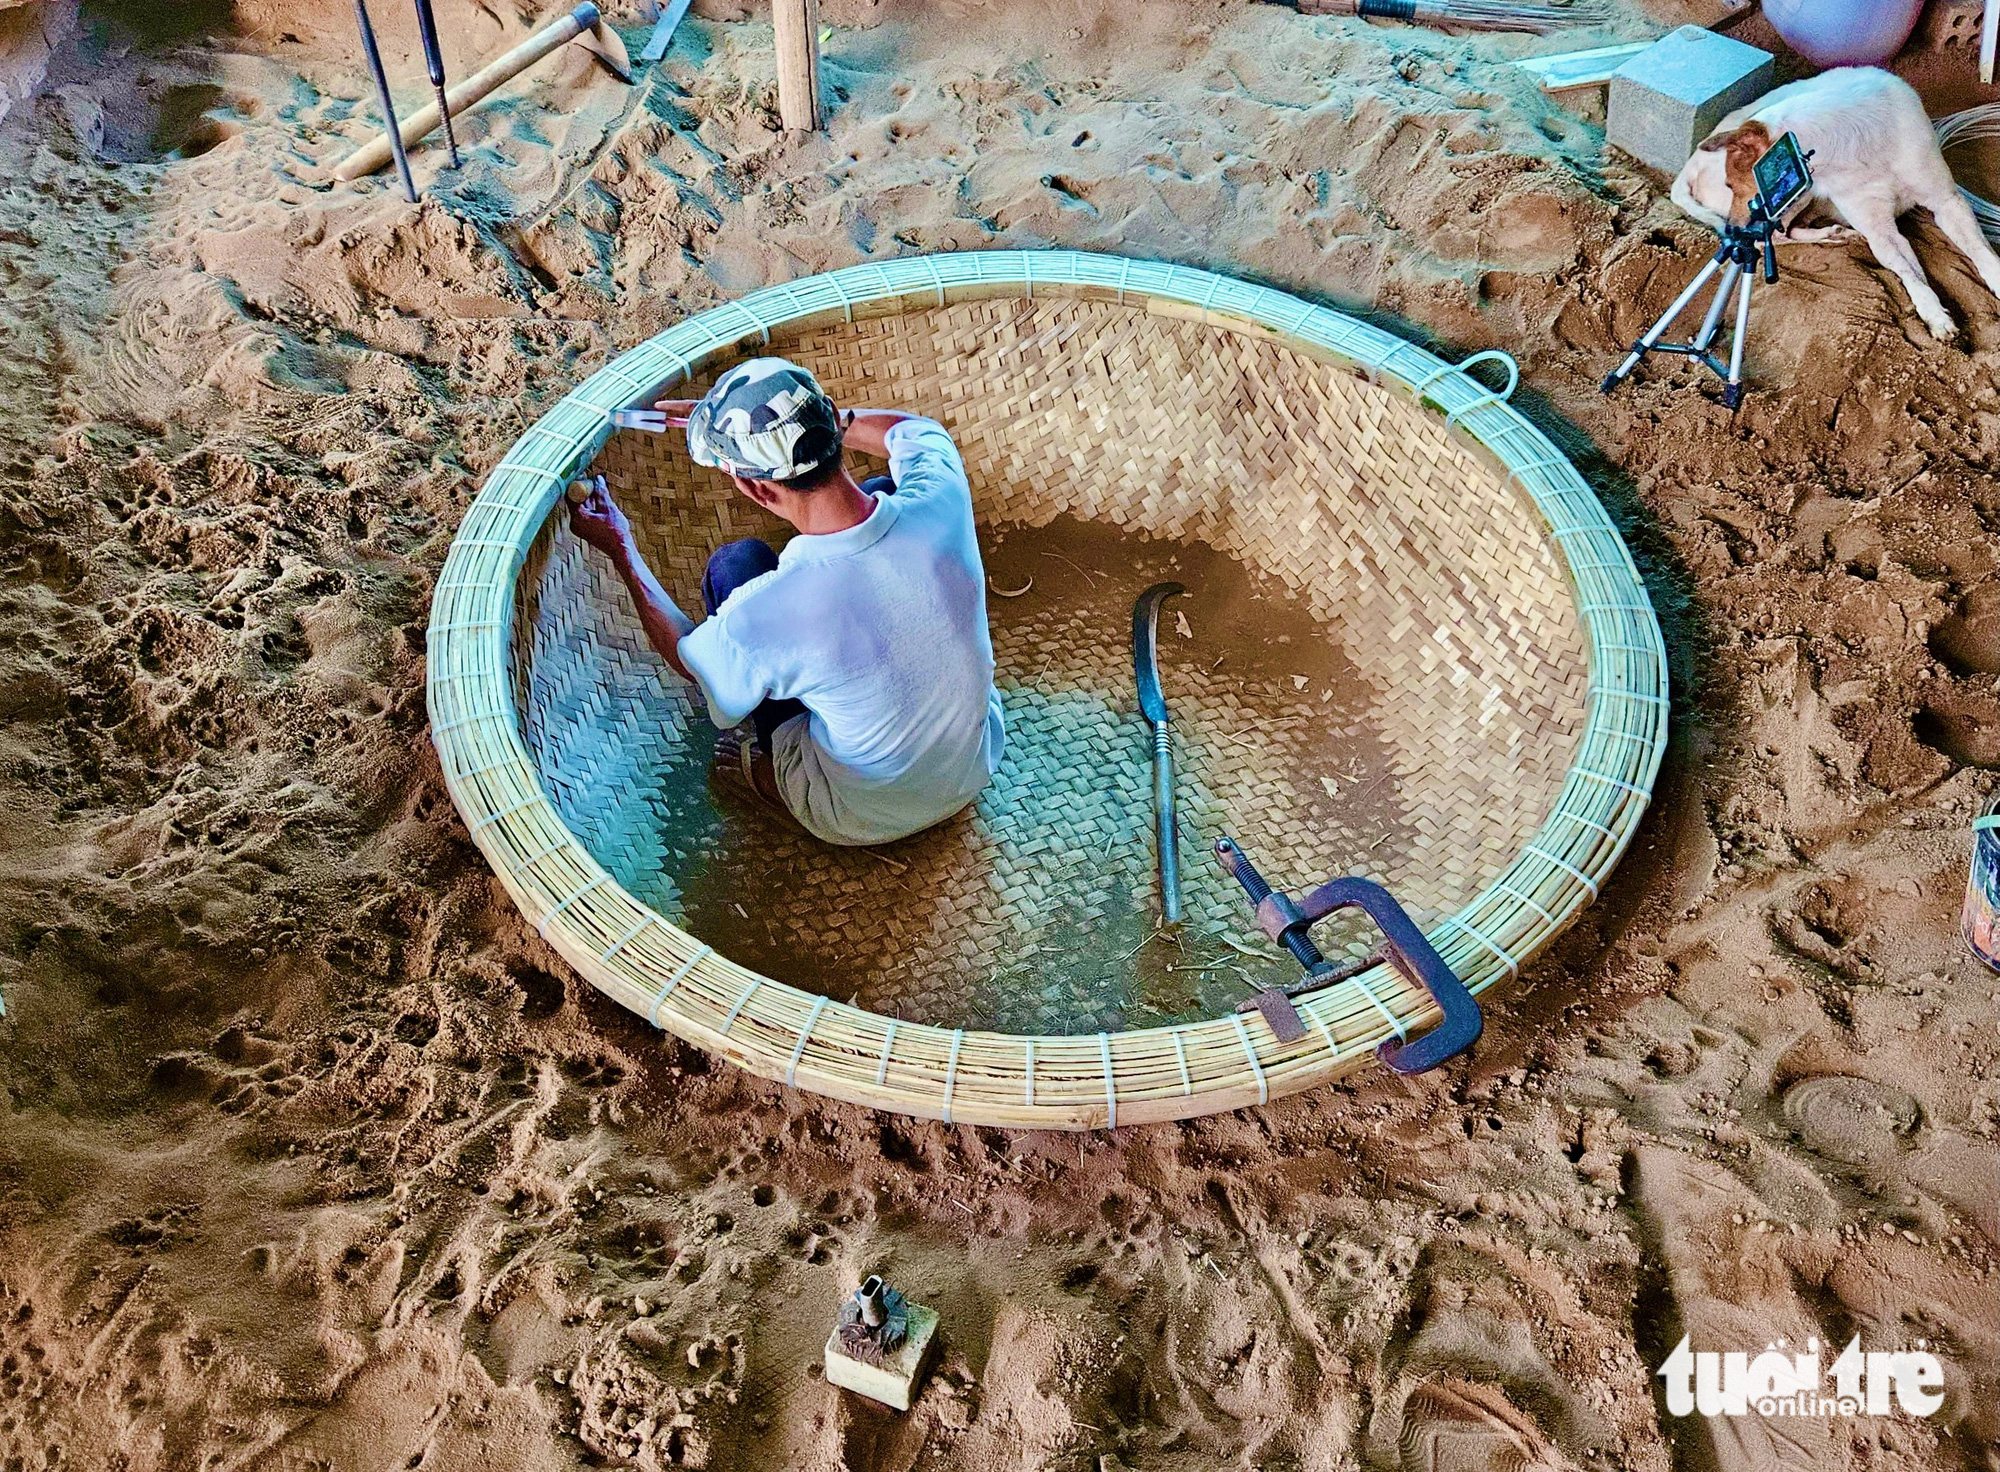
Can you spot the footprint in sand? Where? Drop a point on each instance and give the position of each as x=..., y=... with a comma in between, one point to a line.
x=1851, y=1119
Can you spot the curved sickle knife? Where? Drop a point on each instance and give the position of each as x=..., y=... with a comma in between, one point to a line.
x=1146, y=664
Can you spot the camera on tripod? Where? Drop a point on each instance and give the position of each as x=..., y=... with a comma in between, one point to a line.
x=1783, y=181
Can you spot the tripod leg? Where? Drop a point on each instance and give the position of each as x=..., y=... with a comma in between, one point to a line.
x=1658, y=330
x=1713, y=320
x=1732, y=391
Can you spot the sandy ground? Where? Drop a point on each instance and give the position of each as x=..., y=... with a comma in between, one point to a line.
x=314, y=1157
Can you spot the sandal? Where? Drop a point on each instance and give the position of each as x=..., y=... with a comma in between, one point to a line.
x=744, y=769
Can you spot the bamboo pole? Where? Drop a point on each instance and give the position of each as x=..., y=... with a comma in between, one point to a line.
x=582, y=21
x=795, y=24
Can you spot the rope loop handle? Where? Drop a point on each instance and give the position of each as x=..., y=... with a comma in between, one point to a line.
x=1496, y=355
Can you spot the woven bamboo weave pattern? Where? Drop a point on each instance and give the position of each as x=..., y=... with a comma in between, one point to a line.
x=1498, y=725
x=1030, y=901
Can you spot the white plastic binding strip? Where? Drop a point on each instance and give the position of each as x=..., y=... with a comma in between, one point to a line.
x=1520, y=470
x=1505, y=888
x=1575, y=873
x=1635, y=737
x=1513, y=966
x=1486, y=400
x=736, y=1011
x=799, y=1048
x=744, y=309
x=1645, y=649
x=888, y=1042
x=1598, y=567
x=839, y=290
x=1639, y=792
x=1583, y=822
x=1638, y=695
x=465, y=626
x=543, y=471
x=951, y=1070
x=467, y=720
x=1325, y=1030
x=1360, y=979
x=1180, y=1057
x=610, y=370
x=1250, y=1052
x=507, y=812
x=1028, y=1088
x=628, y=937
x=700, y=955
x=543, y=852
x=1110, y=1087
x=585, y=888
x=482, y=771
x=1423, y=385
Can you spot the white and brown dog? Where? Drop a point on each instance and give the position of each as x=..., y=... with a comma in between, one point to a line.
x=1873, y=156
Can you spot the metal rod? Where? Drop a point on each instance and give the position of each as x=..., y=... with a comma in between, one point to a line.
x=427, y=28
x=1732, y=391
x=1713, y=320
x=374, y=54
x=1653, y=334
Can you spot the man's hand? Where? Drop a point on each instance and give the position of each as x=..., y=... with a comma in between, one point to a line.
x=599, y=523
x=867, y=430
x=597, y=520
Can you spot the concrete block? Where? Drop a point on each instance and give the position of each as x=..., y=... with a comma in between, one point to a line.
x=1670, y=96
x=894, y=1381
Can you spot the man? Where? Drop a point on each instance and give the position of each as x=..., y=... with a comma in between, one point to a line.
x=860, y=653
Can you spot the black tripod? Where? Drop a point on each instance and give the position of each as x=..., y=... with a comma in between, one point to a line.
x=1736, y=258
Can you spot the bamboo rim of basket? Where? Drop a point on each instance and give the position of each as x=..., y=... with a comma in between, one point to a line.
x=680, y=984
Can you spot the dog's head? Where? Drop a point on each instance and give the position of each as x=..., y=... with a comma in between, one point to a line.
x=1717, y=184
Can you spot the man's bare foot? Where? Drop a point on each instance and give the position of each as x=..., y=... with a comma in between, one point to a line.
x=747, y=768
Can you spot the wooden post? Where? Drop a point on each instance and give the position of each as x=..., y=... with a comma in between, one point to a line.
x=796, y=24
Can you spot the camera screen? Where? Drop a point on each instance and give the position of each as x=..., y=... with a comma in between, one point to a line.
x=1782, y=176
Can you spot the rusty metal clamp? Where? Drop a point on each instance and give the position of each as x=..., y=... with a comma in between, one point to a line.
x=1404, y=947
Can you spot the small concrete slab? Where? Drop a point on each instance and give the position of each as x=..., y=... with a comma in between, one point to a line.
x=1569, y=69
x=1670, y=96
x=894, y=1381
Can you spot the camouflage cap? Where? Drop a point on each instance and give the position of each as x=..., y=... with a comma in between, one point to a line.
x=767, y=419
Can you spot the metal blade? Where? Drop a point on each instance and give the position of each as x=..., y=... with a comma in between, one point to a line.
x=663, y=31
x=605, y=44
x=1146, y=647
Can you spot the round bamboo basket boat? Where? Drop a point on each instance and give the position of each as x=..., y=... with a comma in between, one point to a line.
x=1519, y=673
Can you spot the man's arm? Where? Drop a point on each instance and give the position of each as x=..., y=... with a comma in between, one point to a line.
x=867, y=430
x=598, y=521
